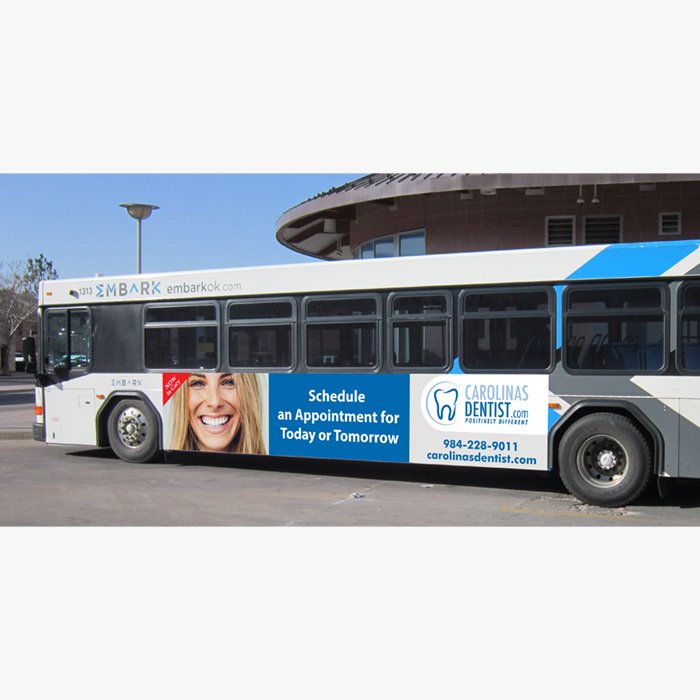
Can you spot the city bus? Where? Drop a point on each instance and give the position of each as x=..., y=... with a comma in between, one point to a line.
x=581, y=360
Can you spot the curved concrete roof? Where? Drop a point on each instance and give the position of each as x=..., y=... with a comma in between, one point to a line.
x=319, y=226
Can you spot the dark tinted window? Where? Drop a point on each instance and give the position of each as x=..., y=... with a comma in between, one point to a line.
x=260, y=346
x=341, y=332
x=184, y=336
x=80, y=338
x=68, y=344
x=507, y=330
x=260, y=310
x=341, y=345
x=491, y=302
x=260, y=334
x=189, y=347
x=179, y=314
x=419, y=344
x=361, y=306
x=56, y=343
x=419, y=305
x=691, y=297
x=419, y=331
x=615, y=329
x=689, y=308
x=611, y=299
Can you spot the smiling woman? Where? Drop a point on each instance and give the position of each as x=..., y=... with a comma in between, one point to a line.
x=215, y=412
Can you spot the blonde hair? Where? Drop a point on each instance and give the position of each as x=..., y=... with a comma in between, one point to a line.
x=249, y=436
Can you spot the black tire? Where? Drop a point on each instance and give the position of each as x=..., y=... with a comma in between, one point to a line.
x=133, y=431
x=604, y=460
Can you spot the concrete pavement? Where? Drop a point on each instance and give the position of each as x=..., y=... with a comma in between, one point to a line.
x=16, y=406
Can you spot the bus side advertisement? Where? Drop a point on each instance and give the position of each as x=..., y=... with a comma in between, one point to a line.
x=468, y=420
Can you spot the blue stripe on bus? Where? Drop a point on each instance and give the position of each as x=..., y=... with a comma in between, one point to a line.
x=559, y=291
x=553, y=417
x=456, y=369
x=634, y=260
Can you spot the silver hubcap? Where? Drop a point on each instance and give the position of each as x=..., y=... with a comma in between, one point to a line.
x=132, y=427
x=602, y=461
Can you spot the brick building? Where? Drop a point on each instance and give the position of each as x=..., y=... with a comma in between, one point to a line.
x=383, y=215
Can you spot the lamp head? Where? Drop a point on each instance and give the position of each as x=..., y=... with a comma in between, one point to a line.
x=139, y=211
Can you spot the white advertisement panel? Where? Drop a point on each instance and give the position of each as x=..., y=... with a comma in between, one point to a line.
x=481, y=420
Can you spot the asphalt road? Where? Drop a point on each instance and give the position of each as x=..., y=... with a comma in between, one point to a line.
x=16, y=405
x=53, y=485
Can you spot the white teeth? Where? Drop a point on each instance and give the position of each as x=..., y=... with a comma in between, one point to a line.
x=215, y=422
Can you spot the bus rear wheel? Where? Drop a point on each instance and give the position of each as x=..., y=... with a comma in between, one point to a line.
x=133, y=431
x=604, y=460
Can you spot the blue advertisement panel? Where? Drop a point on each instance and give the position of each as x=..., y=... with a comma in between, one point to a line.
x=340, y=416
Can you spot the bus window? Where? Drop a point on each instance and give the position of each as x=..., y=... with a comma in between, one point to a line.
x=183, y=336
x=260, y=334
x=56, y=344
x=68, y=340
x=506, y=330
x=689, y=309
x=342, y=332
x=419, y=331
x=615, y=328
x=80, y=334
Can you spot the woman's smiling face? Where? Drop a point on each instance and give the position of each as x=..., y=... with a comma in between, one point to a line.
x=213, y=410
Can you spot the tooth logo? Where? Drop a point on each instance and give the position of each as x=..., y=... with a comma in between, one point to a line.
x=445, y=403
x=441, y=403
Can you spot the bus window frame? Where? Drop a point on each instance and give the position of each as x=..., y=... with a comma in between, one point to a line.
x=678, y=315
x=291, y=321
x=447, y=317
x=182, y=324
x=551, y=313
x=664, y=310
x=377, y=319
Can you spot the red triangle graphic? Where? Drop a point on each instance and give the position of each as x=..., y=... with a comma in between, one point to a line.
x=172, y=381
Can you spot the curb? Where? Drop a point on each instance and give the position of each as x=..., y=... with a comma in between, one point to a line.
x=16, y=435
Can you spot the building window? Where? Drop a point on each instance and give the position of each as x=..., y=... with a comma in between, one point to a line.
x=412, y=243
x=670, y=223
x=560, y=230
x=396, y=245
x=385, y=248
x=602, y=229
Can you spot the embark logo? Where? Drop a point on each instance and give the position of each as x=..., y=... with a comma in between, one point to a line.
x=440, y=403
x=124, y=289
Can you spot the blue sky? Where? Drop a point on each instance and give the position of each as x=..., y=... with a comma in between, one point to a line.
x=204, y=221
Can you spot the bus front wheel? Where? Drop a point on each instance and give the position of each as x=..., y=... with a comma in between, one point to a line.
x=133, y=431
x=604, y=460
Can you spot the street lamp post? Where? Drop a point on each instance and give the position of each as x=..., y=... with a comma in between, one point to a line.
x=139, y=212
